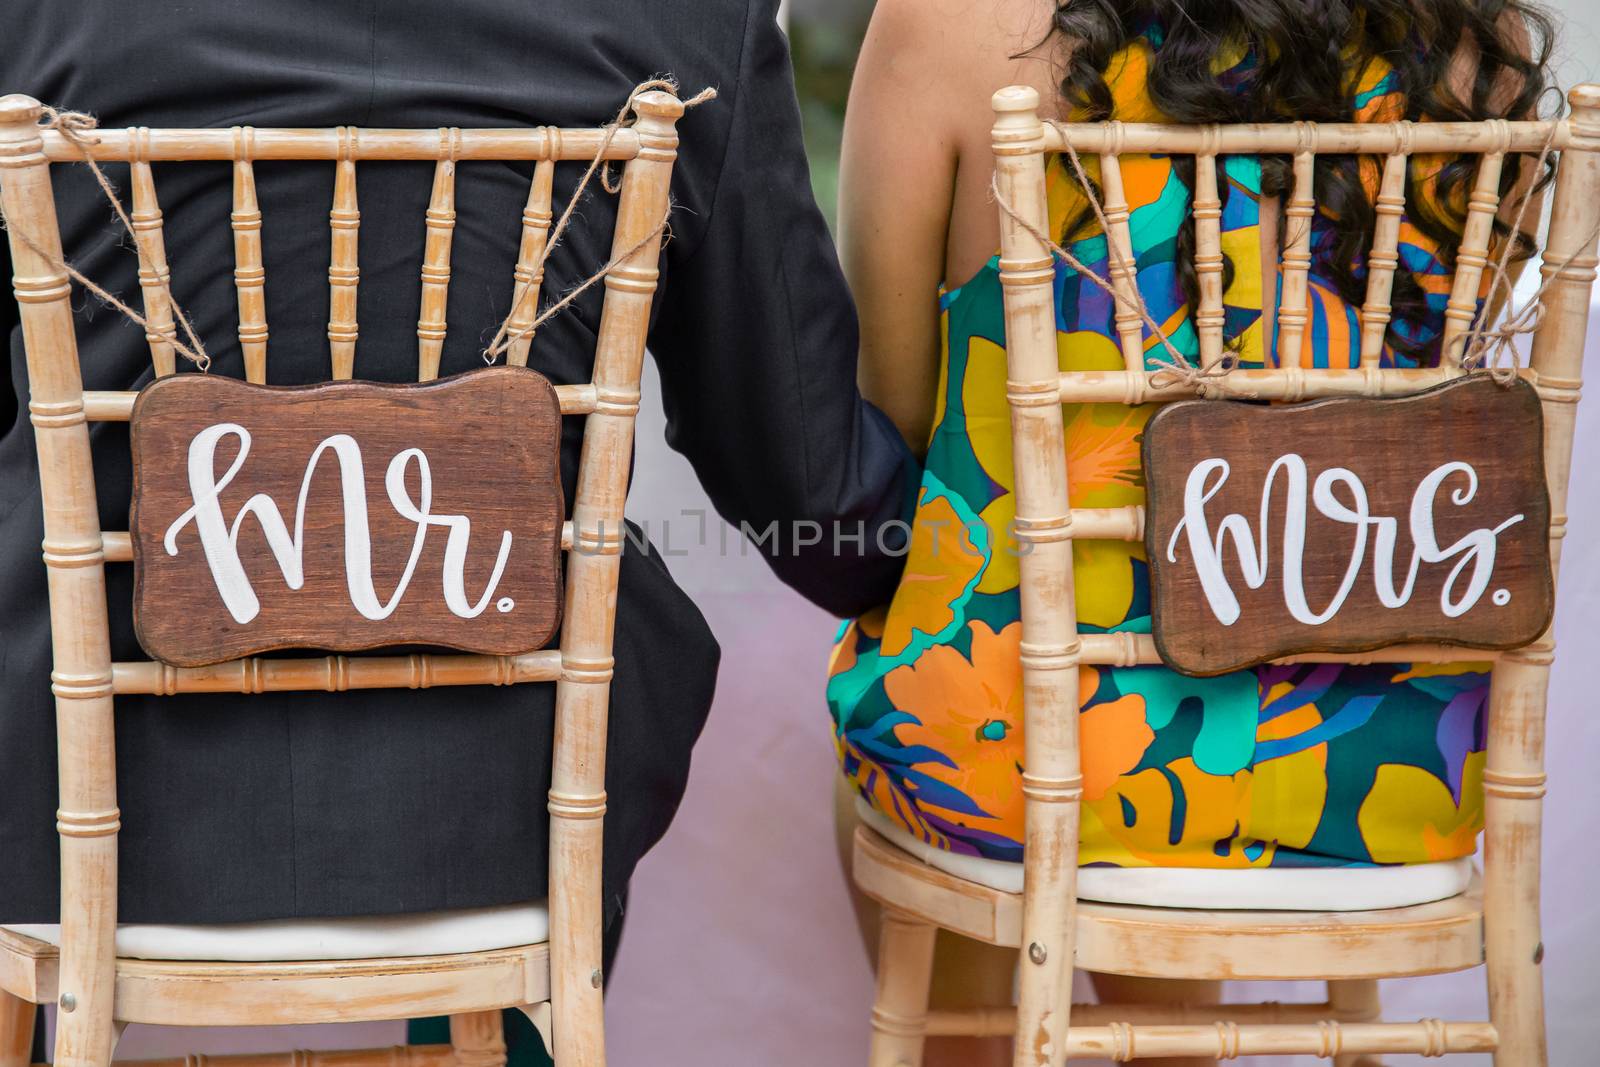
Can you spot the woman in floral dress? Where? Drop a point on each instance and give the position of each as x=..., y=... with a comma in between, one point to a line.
x=1279, y=767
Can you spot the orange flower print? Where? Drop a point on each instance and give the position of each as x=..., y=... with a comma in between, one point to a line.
x=1112, y=737
x=845, y=655
x=941, y=569
x=971, y=711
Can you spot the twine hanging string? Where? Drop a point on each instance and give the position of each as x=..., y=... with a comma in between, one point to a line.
x=1179, y=369
x=1173, y=369
x=507, y=334
x=75, y=128
x=1492, y=348
x=1488, y=347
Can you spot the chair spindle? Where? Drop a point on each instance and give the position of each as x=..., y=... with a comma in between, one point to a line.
x=1208, y=260
x=1294, y=307
x=155, y=277
x=1119, y=255
x=536, y=217
x=1472, y=257
x=1385, y=254
x=441, y=224
x=344, y=271
x=249, y=273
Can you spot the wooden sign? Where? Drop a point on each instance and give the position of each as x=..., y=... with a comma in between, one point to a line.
x=1347, y=525
x=346, y=516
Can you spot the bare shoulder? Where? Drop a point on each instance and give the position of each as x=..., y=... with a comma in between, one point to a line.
x=924, y=84
x=963, y=50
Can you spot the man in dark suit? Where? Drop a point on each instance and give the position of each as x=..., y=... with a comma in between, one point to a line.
x=257, y=807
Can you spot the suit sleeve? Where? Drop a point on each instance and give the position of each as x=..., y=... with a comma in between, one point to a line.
x=756, y=341
x=9, y=322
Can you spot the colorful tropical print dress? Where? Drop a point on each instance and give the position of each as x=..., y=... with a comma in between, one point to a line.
x=1304, y=765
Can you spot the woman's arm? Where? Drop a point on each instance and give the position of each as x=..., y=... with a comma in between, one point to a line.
x=914, y=203
x=896, y=189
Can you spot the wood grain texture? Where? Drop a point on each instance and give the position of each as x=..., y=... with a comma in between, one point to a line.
x=155, y=277
x=1294, y=308
x=440, y=225
x=87, y=818
x=999, y=1022
x=344, y=263
x=577, y=799
x=509, y=414
x=1393, y=447
x=529, y=272
x=900, y=1010
x=1209, y=261
x=1514, y=767
x=394, y=1056
x=249, y=271
x=16, y=1030
x=510, y=143
x=1434, y=938
x=1384, y=256
x=1052, y=783
x=29, y=969
x=478, y=1039
x=1282, y=138
x=221, y=993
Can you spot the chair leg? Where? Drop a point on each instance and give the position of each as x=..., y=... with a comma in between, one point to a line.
x=1513, y=787
x=86, y=1036
x=1356, y=1000
x=16, y=1030
x=1516, y=1000
x=905, y=969
x=479, y=1039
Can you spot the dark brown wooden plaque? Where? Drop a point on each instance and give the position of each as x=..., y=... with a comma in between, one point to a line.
x=346, y=516
x=1415, y=519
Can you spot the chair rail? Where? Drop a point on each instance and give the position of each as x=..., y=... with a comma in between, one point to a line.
x=172, y=145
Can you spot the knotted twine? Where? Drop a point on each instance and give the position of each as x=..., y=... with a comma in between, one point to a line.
x=1177, y=368
x=1492, y=348
x=506, y=335
x=75, y=127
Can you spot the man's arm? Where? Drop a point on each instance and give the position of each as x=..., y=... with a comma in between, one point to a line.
x=757, y=344
x=8, y=323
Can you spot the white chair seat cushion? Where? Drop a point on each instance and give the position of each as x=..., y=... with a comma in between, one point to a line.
x=1254, y=889
x=286, y=940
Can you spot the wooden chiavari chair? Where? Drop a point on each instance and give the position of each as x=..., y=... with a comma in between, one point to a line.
x=556, y=979
x=1496, y=921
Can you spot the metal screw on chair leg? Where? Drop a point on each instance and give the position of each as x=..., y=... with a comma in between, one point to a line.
x=1036, y=953
x=1538, y=954
x=594, y=979
x=68, y=1002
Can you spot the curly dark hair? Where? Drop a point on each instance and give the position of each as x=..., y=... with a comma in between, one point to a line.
x=1306, y=58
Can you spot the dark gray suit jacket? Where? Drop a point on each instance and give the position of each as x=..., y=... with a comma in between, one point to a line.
x=240, y=808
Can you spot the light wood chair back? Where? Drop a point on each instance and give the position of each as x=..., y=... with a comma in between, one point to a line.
x=93, y=988
x=1500, y=924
